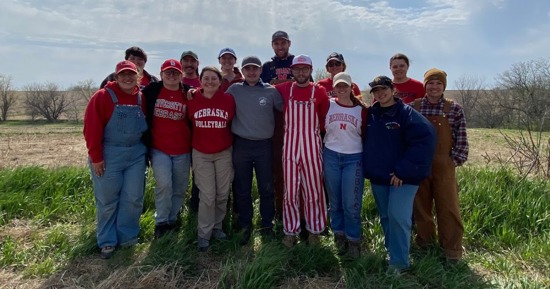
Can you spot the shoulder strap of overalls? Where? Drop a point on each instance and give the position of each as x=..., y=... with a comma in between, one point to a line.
x=416, y=104
x=447, y=106
x=139, y=98
x=113, y=95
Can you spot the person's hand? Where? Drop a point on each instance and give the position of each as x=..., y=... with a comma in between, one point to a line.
x=395, y=181
x=99, y=168
x=191, y=93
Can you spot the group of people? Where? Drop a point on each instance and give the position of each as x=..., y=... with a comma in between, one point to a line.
x=310, y=146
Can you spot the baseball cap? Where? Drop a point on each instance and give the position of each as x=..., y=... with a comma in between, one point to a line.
x=279, y=34
x=342, y=77
x=227, y=50
x=125, y=65
x=336, y=56
x=189, y=53
x=171, y=64
x=381, y=81
x=251, y=60
x=302, y=59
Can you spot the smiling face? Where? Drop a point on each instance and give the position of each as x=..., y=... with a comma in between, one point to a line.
x=302, y=73
x=342, y=91
x=399, y=68
x=252, y=74
x=127, y=80
x=384, y=95
x=138, y=61
x=434, y=89
x=171, y=78
x=210, y=81
x=280, y=47
x=189, y=65
x=227, y=61
x=334, y=67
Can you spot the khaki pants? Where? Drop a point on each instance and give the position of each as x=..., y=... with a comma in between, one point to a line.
x=213, y=175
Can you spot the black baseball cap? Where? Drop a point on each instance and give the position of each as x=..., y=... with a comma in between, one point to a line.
x=381, y=81
x=336, y=56
x=279, y=34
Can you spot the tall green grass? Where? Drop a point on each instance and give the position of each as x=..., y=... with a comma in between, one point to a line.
x=507, y=241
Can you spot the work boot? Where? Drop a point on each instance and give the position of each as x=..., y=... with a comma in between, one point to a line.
x=341, y=243
x=354, y=249
x=289, y=241
x=313, y=239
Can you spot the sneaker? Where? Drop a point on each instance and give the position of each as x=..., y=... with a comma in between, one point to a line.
x=341, y=243
x=313, y=239
x=219, y=234
x=107, y=252
x=203, y=244
x=354, y=249
x=289, y=241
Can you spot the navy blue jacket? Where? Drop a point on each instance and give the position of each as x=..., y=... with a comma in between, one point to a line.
x=277, y=68
x=399, y=141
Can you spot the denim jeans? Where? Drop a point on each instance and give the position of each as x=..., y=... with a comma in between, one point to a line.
x=344, y=182
x=395, y=205
x=119, y=195
x=171, y=173
x=250, y=156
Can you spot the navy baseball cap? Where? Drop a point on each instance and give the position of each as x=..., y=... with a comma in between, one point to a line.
x=227, y=50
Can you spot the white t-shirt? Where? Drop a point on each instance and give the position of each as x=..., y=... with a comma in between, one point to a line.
x=343, y=125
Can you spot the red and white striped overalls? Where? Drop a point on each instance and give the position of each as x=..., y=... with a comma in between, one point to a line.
x=303, y=167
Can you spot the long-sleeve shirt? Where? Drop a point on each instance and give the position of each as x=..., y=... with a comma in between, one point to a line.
x=457, y=121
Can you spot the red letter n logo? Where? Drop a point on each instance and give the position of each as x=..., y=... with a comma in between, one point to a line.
x=343, y=126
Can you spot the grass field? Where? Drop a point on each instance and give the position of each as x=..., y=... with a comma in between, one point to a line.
x=47, y=236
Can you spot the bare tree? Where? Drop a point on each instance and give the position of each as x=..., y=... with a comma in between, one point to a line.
x=45, y=100
x=320, y=73
x=7, y=96
x=526, y=97
x=470, y=89
x=79, y=95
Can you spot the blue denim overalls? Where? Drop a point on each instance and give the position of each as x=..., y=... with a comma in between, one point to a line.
x=119, y=192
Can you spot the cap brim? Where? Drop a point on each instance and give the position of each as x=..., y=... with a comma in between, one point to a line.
x=127, y=68
x=280, y=38
x=191, y=56
x=340, y=81
x=378, y=86
x=227, y=53
x=334, y=58
x=170, y=67
x=251, y=64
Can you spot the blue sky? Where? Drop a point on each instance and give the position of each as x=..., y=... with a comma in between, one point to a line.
x=65, y=42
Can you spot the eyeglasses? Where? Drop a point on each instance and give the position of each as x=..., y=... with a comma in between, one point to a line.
x=171, y=72
x=335, y=63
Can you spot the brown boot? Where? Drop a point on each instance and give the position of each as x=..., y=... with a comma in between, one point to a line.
x=341, y=243
x=289, y=241
x=354, y=249
x=313, y=239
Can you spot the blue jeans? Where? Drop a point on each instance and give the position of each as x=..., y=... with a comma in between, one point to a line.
x=250, y=155
x=119, y=195
x=344, y=182
x=172, y=176
x=395, y=205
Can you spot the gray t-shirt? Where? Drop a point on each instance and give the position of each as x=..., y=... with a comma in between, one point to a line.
x=254, y=109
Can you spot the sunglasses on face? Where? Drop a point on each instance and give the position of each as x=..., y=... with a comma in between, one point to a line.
x=332, y=64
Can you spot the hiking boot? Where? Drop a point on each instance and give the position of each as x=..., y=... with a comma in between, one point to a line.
x=354, y=249
x=313, y=239
x=341, y=243
x=219, y=234
x=106, y=252
x=203, y=244
x=289, y=241
x=162, y=229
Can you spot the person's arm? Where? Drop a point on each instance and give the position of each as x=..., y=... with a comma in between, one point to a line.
x=459, y=151
x=95, y=119
x=323, y=104
x=277, y=100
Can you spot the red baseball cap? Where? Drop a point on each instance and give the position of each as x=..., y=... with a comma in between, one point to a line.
x=125, y=65
x=171, y=64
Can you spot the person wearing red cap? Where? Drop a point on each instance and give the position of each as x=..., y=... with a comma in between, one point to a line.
x=336, y=64
x=114, y=123
x=139, y=58
x=169, y=141
x=211, y=111
x=304, y=104
x=230, y=73
x=441, y=188
x=406, y=88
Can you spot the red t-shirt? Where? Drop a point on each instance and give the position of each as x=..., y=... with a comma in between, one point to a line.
x=211, y=119
x=327, y=84
x=98, y=113
x=409, y=90
x=170, y=132
x=303, y=94
x=193, y=82
x=226, y=83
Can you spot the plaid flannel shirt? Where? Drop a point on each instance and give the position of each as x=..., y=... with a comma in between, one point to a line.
x=457, y=121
